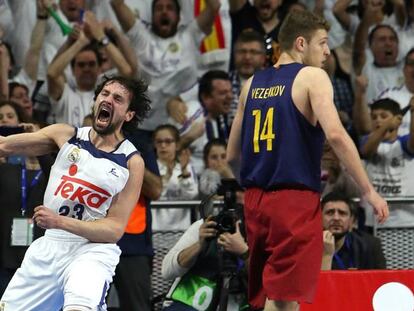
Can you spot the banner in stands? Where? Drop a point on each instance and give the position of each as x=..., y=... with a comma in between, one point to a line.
x=377, y=290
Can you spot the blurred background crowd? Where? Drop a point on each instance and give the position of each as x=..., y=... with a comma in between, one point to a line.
x=195, y=56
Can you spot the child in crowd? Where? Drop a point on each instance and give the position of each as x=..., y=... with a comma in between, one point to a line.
x=216, y=167
x=389, y=160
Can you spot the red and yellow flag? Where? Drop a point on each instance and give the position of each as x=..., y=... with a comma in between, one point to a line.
x=215, y=40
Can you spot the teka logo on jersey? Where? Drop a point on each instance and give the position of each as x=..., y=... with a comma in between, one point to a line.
x=79, y=190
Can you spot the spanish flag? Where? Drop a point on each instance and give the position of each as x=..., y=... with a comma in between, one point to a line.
x=215, y=40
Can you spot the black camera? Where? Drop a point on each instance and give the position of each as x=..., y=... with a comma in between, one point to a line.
x=230, y=213
x=7, y=130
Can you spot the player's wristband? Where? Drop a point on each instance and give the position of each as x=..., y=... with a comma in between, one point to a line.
x=42, y=17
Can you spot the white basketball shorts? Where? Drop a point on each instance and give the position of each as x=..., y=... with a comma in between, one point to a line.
x=60, y=270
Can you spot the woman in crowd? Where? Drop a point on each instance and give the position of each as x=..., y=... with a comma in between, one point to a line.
x=179, y=181
x=216, y=167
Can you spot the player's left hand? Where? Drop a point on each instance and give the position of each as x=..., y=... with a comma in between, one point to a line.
x=45, y=217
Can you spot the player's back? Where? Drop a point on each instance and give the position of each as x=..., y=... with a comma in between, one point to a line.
x=280, y=148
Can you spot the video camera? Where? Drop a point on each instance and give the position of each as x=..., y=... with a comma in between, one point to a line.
x=230, y=213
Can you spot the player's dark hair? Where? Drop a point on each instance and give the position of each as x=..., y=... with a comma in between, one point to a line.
x=140, y=103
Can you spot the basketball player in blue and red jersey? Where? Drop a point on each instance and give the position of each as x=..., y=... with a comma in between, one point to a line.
x=284, y=113
x=93, y=186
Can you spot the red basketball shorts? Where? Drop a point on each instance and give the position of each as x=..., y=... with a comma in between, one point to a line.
x=284, y=233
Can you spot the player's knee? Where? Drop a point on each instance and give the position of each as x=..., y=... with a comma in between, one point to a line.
x=77, y=308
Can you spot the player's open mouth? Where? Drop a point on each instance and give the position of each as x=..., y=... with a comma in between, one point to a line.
x=104, y=114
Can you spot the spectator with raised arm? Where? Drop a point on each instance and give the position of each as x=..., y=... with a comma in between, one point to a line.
x=389, y=159
x=124, y=46
x=99, y=32
x=27, y=74
x=382, y=68
x=404, y=93
x=72, y=104
x=349, y=13
x=261, y=16
x=167, y=55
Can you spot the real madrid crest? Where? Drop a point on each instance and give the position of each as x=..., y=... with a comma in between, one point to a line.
x=74, y=155
x=173, y=47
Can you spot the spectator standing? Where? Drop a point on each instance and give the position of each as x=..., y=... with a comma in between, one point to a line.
x=167, y=55
x=261, y=16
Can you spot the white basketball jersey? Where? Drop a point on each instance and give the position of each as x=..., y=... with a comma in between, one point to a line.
x=84, y=180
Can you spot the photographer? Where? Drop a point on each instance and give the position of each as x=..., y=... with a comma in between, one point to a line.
x=196, y=263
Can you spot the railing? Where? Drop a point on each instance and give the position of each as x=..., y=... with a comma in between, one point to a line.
x=397, y=243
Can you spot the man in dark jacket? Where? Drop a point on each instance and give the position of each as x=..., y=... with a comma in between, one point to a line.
x=345, y=247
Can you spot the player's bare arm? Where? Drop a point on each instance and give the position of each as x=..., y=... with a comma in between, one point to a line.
x=109, y=229
x=233, y=146
x=321, y=103
x=44, y=141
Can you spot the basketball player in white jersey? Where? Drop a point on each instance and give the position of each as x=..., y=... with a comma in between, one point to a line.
x=93, y=186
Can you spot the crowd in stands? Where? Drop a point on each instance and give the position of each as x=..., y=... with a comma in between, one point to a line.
x=195, y=55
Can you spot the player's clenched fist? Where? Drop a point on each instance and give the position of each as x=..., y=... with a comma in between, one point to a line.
x=45, y=217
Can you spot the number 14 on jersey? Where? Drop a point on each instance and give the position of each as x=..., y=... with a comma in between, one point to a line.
x=263, y=131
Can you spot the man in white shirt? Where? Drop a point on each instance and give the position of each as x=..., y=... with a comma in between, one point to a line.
x=403, y=94
x=167, y=55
